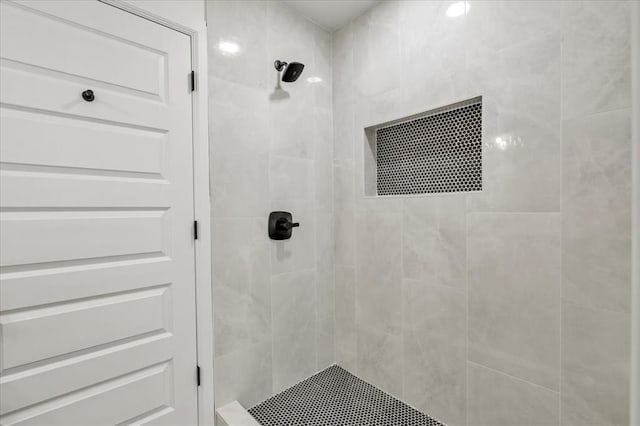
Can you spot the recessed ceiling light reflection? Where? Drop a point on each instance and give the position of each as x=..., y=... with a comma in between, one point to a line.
x=314, y=79
x=458, y=9
x=229, y=48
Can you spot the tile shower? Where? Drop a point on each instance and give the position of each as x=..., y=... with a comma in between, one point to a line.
x=475, y=308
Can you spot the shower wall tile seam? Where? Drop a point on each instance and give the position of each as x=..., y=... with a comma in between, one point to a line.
x=561, y=205
x=293, y=271
x=519, y=379
x=594, y=114
x=403, y=313
x=466, y=305
x=273, y=355
x=512, y=212
x=596, y=308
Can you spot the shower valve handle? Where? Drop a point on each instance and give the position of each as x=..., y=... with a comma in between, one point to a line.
x=286, y=224
x=280, y=225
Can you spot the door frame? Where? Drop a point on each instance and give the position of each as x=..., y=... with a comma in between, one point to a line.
x=201, y=197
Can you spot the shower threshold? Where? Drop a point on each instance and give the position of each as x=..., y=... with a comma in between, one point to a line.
x=335, y=397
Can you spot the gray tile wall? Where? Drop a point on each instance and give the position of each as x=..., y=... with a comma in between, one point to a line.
x=270, y=150
x=511, y=306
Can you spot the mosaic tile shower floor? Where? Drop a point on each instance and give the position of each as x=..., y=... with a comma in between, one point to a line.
x=335, y=397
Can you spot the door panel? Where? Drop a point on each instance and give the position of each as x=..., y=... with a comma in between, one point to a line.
x=105, y=56
x=59, y=94
x=97, y=286
x=74, y=326
x=107, y=403
x=35, y=237
x=41, y=140
x=96, y=366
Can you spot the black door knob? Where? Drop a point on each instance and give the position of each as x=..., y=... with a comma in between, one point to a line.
x=88, y=95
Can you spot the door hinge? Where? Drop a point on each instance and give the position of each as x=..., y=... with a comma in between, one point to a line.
x=198, y=375
x=195, y=229
x=192, y=79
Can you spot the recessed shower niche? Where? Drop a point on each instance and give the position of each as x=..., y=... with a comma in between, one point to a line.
x=437, y=151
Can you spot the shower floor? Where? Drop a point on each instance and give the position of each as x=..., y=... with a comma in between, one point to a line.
x=335, y=397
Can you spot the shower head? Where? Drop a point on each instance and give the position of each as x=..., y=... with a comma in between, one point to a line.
x=291, y=70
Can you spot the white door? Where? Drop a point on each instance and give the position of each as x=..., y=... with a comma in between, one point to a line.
x=97, y=291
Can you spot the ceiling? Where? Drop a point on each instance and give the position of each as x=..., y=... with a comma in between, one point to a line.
x=331, y=14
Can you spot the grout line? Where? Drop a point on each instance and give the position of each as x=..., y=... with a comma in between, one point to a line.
x=515, y=212
x=595, y=308
x=466, y=260
x=465, y=33
x=513, y=377
x=403, y=314
x=561, y=184
x=589, y=114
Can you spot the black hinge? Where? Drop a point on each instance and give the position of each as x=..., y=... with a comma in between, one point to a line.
x=198, y=375
x=193, y=81
x=195, y=229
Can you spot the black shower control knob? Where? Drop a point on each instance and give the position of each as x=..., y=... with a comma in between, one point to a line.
x=286, y=224
x=88, y=95
x=280, y=225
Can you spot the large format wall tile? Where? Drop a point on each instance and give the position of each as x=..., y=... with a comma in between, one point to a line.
x=520, y=88
x=289, y=38
x=242, y=125
x=380, y=359
x=239, y=184
x=322, y=68
x=244, y=375
x=289, y=134
x=496, y=399
x=294, y=317
x=376, y=50
x=596, y=210
x=434, y=240
x=345, y=319
x=514, y=294
x=595, y=366
x=342, y=78
x=243, y=23
x=344, y=181
x=271, y=149
x=345, y=233
x=535, y=63
x=323, y=162
x=343, y=130
x=242, y=305
x=325, y=291
x=435, y=350
x=291, y=178
x=596, y=57
x=435, y=76
x=298, y=252
x=342, y=66
x=496, y=25
x=379, y=273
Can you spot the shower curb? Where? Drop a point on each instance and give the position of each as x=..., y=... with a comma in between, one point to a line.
x=234, y=414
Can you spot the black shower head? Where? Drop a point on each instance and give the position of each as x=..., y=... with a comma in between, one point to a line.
x=291, y=70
